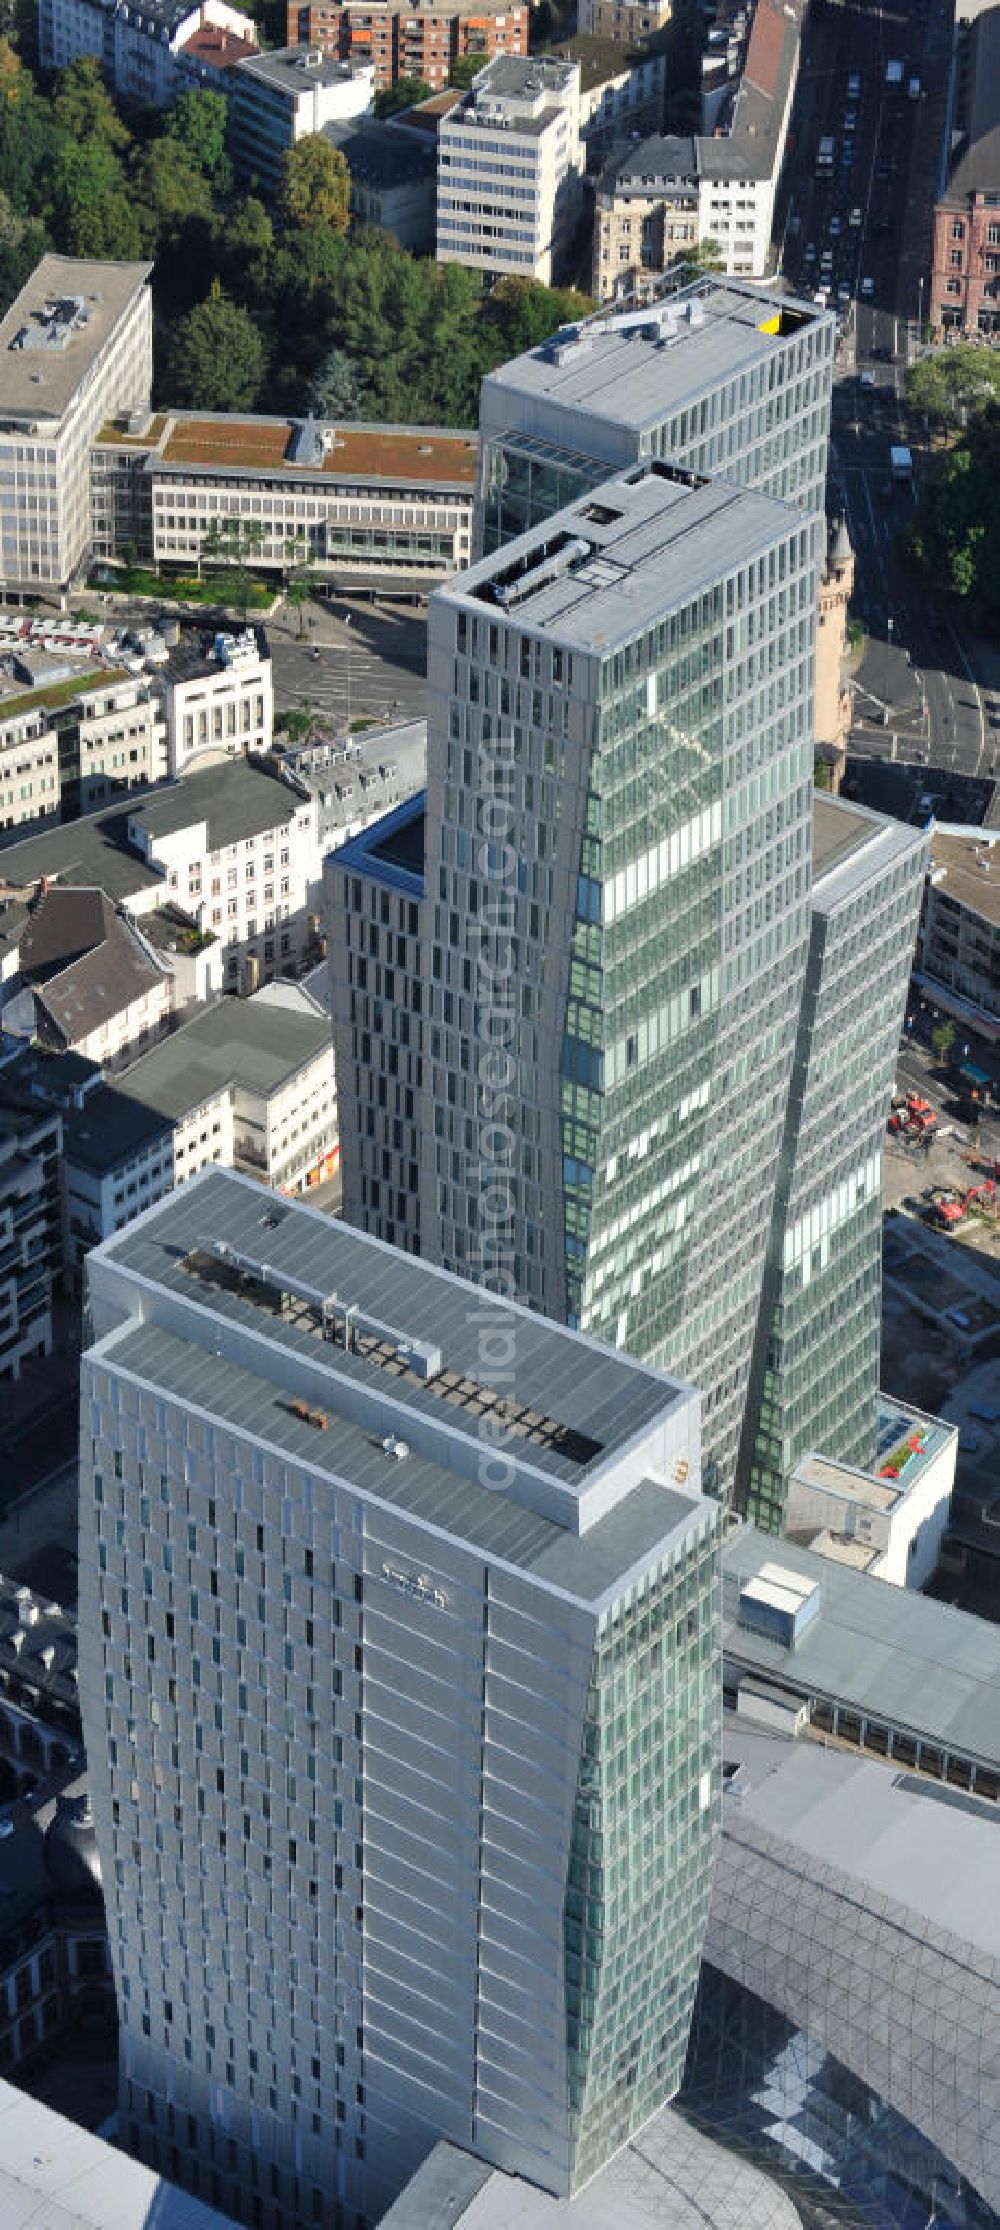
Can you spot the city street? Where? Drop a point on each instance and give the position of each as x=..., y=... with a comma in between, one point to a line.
x=858, y=224
x=354, y=660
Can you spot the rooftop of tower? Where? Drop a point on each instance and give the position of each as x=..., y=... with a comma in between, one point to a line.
x=639, y=367
x=279, y=1322
x=634, y=548
x=851, y=845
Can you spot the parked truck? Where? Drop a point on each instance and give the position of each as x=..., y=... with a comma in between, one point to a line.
x=900, y=466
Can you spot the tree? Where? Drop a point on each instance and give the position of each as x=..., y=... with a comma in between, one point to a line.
x=25, y=135
x=315, y=188
x=22, y=244
x=956, y=539
x=335, y=392
x=169, y=190
x=464, y=68
x=301, y=580
x=406, y=92
x=942, y=1040
x=705, y=255
x=822, y=779
x=247, y=242
x=232, y=542
x=216, y=356
x=90, y=208
x=82, y=107
x=198, y=122
x=946, y=387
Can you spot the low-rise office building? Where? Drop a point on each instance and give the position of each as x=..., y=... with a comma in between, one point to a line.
x=357, y=503
x=810, y=1642
x=622, y=91
x=510, y=168
x=217, y=696
x=276, y=99
x=393, y=179
x=235, y=847
x=957, y=962
x=76, y=349
x=75, y=2177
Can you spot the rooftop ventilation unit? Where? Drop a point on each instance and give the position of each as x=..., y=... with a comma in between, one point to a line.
x=342, y=1321
x=550, y=567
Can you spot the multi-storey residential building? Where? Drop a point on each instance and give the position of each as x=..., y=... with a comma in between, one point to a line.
x=236, y=848
x=643, y=667
x=509, y=170
x=964, y=293
x=88, y=982
x=68, y=745
x=645, y=216
x=220, y=872
x=75, y=349
x=815, y=1379
x=30, y=1226
x=248, y=1083
x=423, y=41
x=356, y=502
x=150, y=51
x=279, y=98
x=720, y=377
x=628, y=23
x=671, y=194
x=376, y=1620
x=957, y=961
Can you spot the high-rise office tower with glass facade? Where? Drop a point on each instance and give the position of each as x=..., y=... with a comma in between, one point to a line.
x=401, y=1679
x=721, y=377
x=619, y=819
x=815, y=1376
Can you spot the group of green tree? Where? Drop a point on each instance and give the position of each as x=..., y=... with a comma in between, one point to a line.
x=275, y=309
x=956, y=537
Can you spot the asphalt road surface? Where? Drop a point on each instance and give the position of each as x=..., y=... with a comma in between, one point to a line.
x=354, y=661
x=858, y=224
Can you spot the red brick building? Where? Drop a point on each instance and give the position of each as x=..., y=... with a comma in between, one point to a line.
x=419, y=41
x=965, y=261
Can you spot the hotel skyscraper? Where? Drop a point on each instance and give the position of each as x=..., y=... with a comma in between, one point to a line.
x=401, y=1683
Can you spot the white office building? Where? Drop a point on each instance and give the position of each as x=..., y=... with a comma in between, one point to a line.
x=510, y=163
x=277, y=99
x=76, y=348
x=409, y=1603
